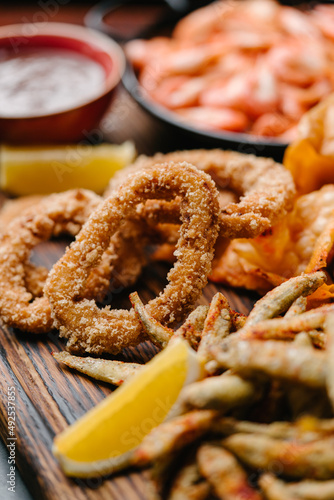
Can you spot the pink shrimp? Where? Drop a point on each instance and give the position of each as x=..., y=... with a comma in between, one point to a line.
x=253, y=92
x=252, y=65
x=298, y=23
x=323, y=17
x=295, y=101
x=179, y=91
x=141, y=52
x=271, y=125
x=166, y=92
x=297, y=62
x=211, y=118
x=198, y=25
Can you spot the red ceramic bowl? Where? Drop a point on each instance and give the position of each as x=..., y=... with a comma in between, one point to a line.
x=73, y=121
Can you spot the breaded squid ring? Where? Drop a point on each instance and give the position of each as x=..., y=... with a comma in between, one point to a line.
x=121, y=264
x=65, y=212
x=94, y=330
x=266, y=189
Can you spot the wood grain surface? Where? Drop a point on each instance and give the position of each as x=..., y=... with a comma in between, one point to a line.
x=49, y=396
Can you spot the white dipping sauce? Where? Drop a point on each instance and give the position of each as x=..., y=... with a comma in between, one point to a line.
x=44, y=81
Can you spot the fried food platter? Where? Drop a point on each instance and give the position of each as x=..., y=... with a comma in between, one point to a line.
x=46, y=396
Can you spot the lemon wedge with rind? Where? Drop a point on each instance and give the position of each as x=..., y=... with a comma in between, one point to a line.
x=27, y=170
x=104, y=439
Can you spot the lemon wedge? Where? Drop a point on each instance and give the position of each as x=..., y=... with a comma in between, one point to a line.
x=48, y=169
x=103, y=439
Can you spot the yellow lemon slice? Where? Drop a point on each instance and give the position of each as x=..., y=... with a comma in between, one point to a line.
x=48, y=169
x=102, y=440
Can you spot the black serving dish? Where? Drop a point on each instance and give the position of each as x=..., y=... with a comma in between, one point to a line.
x=243, y=143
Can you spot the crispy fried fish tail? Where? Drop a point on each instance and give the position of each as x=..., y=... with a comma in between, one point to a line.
x=216, y=327
x=111, y=371
x=189, y=484
x=157, y=333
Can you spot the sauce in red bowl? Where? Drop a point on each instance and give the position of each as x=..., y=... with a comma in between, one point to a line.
x=56, y=81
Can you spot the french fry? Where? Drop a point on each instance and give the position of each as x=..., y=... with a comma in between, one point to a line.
x=112, y=371
x=224, y=473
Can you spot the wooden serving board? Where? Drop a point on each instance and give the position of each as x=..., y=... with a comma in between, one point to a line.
x=48, y=396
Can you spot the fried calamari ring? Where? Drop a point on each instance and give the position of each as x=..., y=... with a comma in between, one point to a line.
x=14, y=208
x=266, y=189
x=35, y=276
x=66, y=211
x=95, y=330
x=121, y=263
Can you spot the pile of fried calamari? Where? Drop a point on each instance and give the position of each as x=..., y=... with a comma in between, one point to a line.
x=260, y=424
x=185, y=200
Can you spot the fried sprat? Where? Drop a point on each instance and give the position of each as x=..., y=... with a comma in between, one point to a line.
x=229, y=423
x=228, y=479
x=111, y=371
x=189, y=484
x=276, y=489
